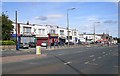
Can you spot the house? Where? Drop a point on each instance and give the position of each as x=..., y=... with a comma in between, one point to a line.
x=24, y=33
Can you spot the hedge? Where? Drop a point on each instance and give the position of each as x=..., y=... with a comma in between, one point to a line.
x=7, y=42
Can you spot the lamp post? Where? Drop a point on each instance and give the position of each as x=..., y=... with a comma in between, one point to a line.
x=17, y=48
x=94, y=30
x=68, y=23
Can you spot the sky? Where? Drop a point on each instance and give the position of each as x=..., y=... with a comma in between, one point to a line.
x=104, y=15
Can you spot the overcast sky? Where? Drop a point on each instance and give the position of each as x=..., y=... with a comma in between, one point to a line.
x=82, y=18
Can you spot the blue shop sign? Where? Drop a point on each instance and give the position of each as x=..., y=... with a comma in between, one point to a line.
x=13, y=35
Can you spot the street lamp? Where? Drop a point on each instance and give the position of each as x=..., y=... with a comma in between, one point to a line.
x=68, y=23
x=94, y=30
x=17, y=47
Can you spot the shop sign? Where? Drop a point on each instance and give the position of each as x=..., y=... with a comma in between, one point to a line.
x=53, y=35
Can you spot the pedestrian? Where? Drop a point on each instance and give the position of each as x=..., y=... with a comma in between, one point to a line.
x=108, y=43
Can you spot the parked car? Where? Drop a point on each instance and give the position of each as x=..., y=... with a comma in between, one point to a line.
x=44, y=44
x=70, y=43
x=61, y=43
x=21, y=45
x=25, y=45
x=55, y=43
x=32, y=44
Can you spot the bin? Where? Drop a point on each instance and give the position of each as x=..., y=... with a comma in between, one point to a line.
x=38, y=50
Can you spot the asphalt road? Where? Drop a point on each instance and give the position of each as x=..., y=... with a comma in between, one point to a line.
x=82, y=60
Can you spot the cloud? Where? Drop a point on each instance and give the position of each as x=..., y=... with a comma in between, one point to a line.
x=51, y=17
x=42, y=18
x=110, y=21
x=55, y=16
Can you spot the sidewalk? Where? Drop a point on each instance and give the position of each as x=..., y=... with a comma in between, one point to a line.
x=33, y=50
x=44, y=49
x=18, y=52
x=21, y=58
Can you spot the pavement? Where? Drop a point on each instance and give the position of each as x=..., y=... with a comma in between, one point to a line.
x=43, y=50
x=19, y=52
x=11, y=59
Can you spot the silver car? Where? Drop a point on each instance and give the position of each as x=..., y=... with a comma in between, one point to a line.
x=25, y=45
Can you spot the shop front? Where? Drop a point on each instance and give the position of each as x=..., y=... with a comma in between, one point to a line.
x=26, y=38
x=41, y=38
x=62, y=39
x=52, y=39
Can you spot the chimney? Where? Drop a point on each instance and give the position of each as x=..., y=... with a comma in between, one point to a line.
x=27, y=22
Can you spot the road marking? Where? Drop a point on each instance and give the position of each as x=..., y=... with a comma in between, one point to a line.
x=86, y=62
x=110, y=50
x=93, y=59
x=59, y=54
x=103, y=52
x=99, y=57
x=92, y=55
x=67, y=63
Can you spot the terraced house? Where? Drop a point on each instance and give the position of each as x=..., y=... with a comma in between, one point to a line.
x=40, y=33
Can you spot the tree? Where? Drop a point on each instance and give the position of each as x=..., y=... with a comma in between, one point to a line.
x=7, y=27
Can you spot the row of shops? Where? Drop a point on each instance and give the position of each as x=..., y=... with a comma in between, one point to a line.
x=50, y=39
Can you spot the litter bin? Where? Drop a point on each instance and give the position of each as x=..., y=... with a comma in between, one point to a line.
x=38, y=50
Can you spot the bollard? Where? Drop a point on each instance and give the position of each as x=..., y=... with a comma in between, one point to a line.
x=38, y=50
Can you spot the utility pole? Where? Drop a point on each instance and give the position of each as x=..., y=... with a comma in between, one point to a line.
x=94, y=30
x=94, y=33
x=68, y=24
x=16, y=30
x=68, y=27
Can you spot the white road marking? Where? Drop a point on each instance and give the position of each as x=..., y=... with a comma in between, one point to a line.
x=110, y=50
x=59, y=54
x=103, y=52
x=99, y=57
x=67, y=63
x=87, y=62
x=92, y=55
x=93, y=59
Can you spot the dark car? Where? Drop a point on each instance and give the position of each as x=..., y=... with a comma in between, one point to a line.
x=70, y=43
x=32, y=44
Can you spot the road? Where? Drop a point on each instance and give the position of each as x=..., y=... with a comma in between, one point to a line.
x=82, y=60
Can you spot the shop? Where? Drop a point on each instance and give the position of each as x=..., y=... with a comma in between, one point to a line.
x=41, y=38
x=62, y=39
x=26, y=38
x=52, y=39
